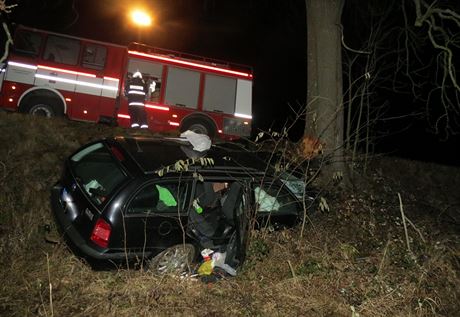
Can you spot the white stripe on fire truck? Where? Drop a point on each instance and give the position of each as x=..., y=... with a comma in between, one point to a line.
x=76, y=82
x=66, y=71
x=242, y=115
x=22, y=65
x=111, y=78
x=57, y=69
x=156, y=107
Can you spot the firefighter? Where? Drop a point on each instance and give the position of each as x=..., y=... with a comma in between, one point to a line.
x=136, y=92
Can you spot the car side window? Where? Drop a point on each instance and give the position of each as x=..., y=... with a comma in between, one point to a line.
x=270, y=198
x=97, y=172
x=157, y=198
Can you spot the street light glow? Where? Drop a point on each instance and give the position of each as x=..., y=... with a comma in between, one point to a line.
x=141, y=18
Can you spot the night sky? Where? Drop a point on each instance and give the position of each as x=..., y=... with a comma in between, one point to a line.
x=270, y=36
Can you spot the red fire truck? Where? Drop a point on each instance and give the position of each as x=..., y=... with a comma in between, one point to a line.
x=52, y=74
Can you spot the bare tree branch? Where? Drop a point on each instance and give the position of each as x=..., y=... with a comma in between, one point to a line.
x=5, y=9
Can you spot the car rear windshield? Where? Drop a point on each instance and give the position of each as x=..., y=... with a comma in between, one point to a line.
x=97, y=172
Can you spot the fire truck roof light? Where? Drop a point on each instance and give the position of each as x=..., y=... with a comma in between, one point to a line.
x=22, y=65
x=242, y=115
x=66, y=71
x=147, y=105
x=182, y=62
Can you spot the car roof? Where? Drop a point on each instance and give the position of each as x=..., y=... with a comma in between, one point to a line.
x=153, y=153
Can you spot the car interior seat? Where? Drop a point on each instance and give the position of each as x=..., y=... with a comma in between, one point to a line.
x=215, y=224
x=229, y=205
x=204, y=222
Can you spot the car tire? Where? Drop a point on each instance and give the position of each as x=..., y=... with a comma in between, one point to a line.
x=200, y=127
x=173, y=260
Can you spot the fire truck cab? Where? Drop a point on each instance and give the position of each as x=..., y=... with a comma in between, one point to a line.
x=52, y=74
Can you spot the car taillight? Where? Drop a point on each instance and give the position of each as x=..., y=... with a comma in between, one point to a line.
x=101, y=233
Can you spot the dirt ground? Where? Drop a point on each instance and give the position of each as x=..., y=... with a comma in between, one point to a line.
x=353, y=260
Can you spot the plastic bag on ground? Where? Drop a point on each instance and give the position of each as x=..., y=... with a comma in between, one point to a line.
x=218, y=260
x=200, y=142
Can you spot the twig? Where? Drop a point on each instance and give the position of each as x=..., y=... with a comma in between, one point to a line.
x=50, y=285
x=8, y=42
x=291, y=268
x=383, y=257
x=404, y=224
x=349, y=48
x=6, y=8
x=416, y=229
x=4, y=170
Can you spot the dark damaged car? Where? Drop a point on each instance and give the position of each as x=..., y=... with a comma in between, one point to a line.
x=158, y=202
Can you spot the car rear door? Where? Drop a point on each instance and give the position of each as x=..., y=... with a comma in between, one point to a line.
x=225, y=226
x=154, y=217
x=236, y=251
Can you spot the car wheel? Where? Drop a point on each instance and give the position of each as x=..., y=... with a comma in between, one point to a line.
x=175, y=259
x=200, y=127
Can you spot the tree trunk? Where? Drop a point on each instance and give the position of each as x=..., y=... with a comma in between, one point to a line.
x=324, y=116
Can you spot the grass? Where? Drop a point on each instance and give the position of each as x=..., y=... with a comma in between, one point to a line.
x=353, y=258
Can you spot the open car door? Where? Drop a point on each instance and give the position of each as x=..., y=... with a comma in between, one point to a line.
x=219, y=221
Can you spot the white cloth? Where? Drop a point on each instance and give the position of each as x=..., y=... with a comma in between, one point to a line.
x=200, y=142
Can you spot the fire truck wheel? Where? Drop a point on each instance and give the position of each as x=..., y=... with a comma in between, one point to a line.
x=199, y=126
x=42, y=110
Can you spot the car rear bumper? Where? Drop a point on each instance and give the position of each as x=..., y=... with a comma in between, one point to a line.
x=75, y=240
